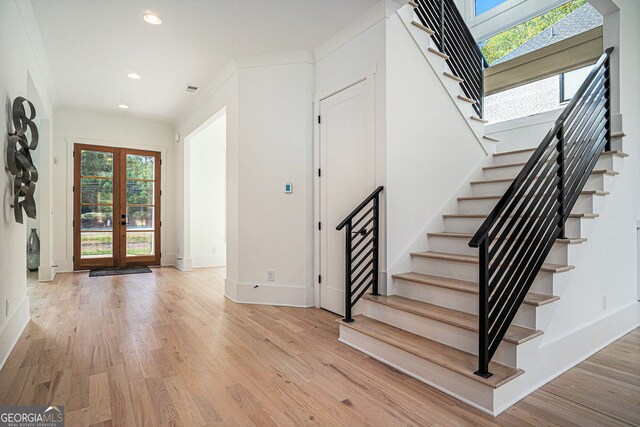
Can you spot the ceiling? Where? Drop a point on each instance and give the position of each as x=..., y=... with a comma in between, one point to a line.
x=91, y=45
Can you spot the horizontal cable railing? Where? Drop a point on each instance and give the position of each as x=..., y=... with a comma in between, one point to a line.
x=361, y=255
x=518, y=234
x=453, y=38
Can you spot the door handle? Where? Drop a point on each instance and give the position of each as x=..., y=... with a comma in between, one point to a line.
x=361, y=232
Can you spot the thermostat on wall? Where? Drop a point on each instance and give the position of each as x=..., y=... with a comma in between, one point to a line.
x=288, y=187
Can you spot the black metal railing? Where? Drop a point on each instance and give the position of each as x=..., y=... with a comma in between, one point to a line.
x=518, y=234
x=453, y=38
x=361, y=251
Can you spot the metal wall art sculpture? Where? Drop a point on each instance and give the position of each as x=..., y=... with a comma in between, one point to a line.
x=19, y=162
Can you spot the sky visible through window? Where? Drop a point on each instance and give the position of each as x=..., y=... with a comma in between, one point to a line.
x=483, y=5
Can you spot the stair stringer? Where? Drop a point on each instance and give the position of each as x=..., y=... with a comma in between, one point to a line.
x=469, y=134
x=439, y=65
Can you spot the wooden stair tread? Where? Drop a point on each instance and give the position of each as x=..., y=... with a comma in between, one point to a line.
x=515, y=334
x=478, y=119
x=509, y=165
x=437, y=52
x=571, y=215
x=473, y=259
x=595, y=172
x=423, y=27
x=468, y=236
x=441, y=354
x=499, y=196
x=453, y=76
x=465, y=99
x=532, y=298
x=524, y=150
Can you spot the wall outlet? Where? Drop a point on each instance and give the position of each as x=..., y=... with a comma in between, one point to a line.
x=213, y=250
x=271, y=276
x=604, y=303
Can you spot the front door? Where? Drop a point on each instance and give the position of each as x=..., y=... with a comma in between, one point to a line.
x=116, y=219
x=347, y=178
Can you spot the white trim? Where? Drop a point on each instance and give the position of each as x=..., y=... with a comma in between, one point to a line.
x=521, y=122
x=267, y=60
x=367, y=75
x=13, y=328
x=263, y=294
x=66, y=265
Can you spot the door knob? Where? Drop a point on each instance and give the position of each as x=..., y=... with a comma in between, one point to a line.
x=361, y=232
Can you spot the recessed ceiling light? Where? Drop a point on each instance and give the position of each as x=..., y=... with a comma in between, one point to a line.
x=152, y=19
x=134, y=76
x=123, y=106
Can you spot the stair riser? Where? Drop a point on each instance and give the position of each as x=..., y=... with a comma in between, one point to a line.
x=458, y=300
x=585, y=204
x=454, y=245
x=468, y=271
x=471, y=225
x=609, y=162
x=452, y=383
x=445, y=333
x=597, y=182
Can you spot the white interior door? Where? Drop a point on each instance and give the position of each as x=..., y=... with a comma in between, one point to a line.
x=347, y=178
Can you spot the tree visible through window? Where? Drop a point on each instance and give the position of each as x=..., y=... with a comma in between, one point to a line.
x=501, y=44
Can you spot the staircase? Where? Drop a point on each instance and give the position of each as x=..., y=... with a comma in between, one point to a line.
x=436, y=326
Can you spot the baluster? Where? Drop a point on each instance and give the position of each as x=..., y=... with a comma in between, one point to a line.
x=442, y=27
x=607, y=104
x=376, y=201
x=561, y=198
x=483, y=312
x=347, y=277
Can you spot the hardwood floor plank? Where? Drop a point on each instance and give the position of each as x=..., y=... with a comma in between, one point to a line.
x=168, y=348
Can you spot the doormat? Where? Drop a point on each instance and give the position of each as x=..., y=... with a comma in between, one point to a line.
x=101, y=272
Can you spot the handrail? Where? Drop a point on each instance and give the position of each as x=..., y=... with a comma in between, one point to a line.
x=359, y=208
x=361, y=251
x=453, y=38
x=520, y=231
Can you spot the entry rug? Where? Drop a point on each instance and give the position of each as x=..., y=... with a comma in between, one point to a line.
x=101, y=272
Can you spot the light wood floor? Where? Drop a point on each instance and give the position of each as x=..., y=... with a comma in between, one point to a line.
x=168, y=349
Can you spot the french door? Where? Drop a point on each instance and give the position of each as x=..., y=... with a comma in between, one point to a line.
x=116, y=218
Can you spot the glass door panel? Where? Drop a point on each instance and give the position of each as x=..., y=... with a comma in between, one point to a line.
x=141, y=171
x=93, y=222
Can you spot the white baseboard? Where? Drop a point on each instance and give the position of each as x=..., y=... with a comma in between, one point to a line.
x=284, y=295
x=12, y=329
x=46, y=274
x=208, y=261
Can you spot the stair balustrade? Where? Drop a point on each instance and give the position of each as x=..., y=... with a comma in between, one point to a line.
x=519, y=233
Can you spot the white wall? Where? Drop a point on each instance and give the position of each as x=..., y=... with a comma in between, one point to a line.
x=524, y=132
x=431, y=153
x=208, y=191
x=113, y=130
x=268, y=100
x=19, y=64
